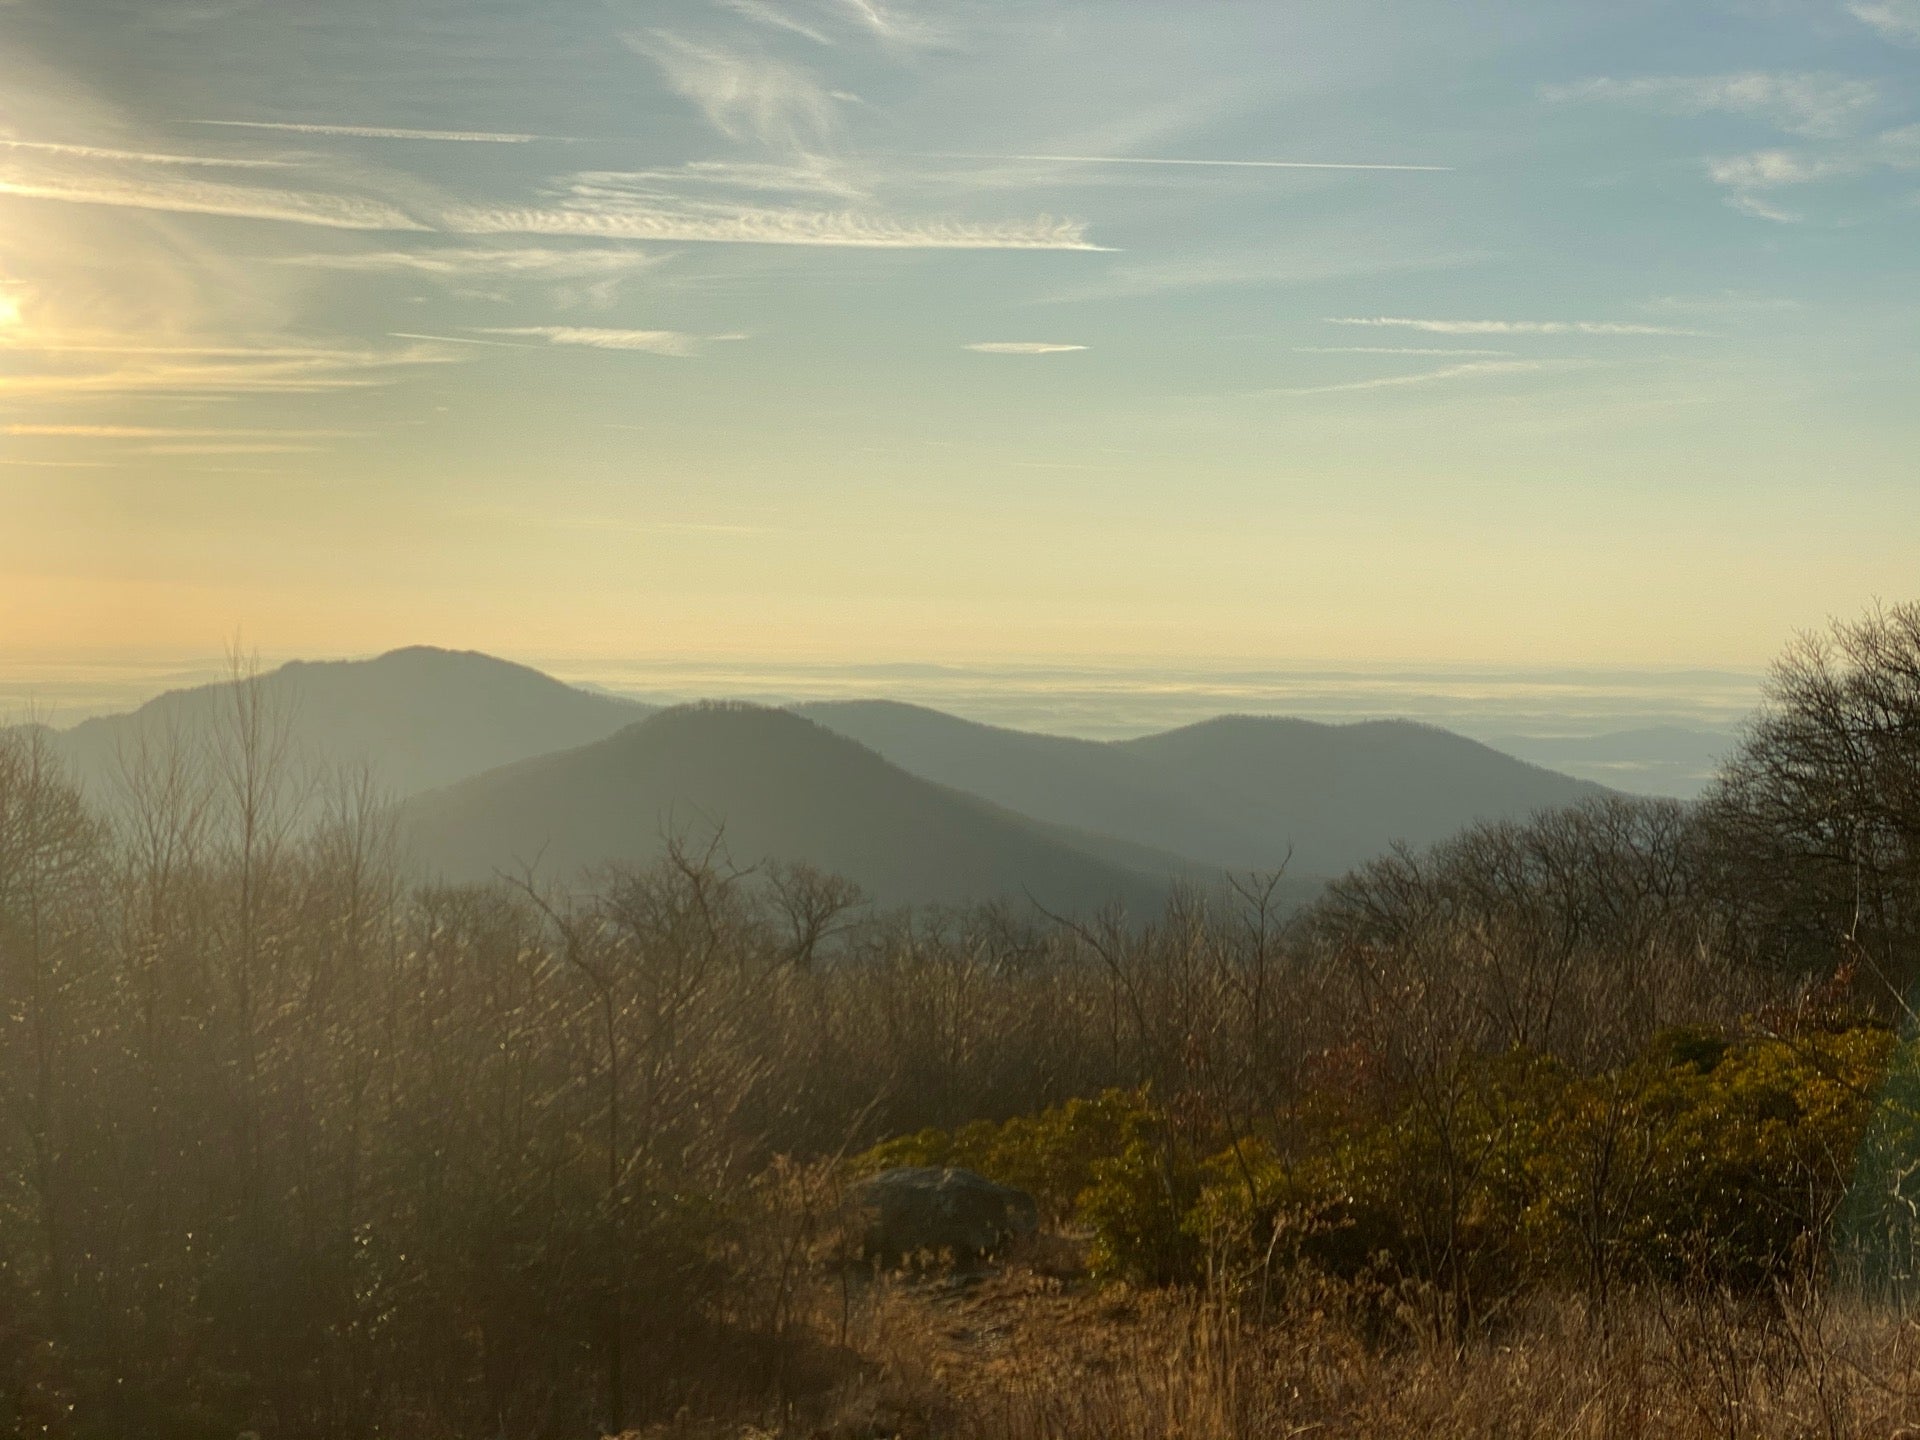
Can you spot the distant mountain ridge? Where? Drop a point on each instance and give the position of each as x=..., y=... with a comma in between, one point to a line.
x=503, y=764
x=1237, y=792
x=779, y=787
x=420, y=717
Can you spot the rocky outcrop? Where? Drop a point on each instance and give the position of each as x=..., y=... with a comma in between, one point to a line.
x=915, y=1211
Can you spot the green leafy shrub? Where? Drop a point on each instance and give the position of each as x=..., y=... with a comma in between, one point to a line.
x=1139, y=1209
x=1104, y=1163
x=1751, y=1156
x=1710, y=1156
x=1438, y=1190
x=1053, y=1156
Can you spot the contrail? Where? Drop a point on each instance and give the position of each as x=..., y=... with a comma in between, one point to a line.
x=1157, y=160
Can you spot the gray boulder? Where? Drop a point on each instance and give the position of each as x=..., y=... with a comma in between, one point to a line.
x=915, y=1210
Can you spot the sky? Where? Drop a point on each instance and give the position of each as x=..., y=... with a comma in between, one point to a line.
x=863, y=332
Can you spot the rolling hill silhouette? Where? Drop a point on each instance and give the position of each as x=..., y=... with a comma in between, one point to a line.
x=420, y=717
x=913, y=804
x=1238, y=792
x=782, y=788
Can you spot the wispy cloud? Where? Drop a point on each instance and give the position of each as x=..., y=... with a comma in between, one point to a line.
x=744, y=94
x=1898, y=20
x=381, y=132
x=1726, y=303
x=38, y=346
x=802, y=175
x=1312, y=256
x=461, y=340
x=466, y=262
x=1022, y=347
x=778, y=17
x=595, y=208
x=155, y=432
x=1833, y=110
x=1749, y=204
x=827, y=22
x=1763, y=170
x=107, y=369
x=1390, y=350
x=1766, y=169
x=1471, y=370
x=1513, y=327
x=234, y=449
x=195, y=197
x=676, y=343
x=1813, y=104
x=1219, y=164
x=698, y=204
x=894, y=23
x=146, y=157
x=94, y=432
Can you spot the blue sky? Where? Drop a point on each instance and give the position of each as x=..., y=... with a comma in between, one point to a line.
x=849, y=331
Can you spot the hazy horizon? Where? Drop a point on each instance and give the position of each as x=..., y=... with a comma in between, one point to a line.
x=1542, y=714
x=1092, y=700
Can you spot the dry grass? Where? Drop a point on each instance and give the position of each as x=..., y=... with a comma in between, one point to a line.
x=1020, y=1356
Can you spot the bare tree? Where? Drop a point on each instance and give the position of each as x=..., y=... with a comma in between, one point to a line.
x=50, y=853
x=1816, y=822
x=816, y=906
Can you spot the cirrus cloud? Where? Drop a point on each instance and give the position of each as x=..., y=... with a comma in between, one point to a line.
x=1898, y=20
x=1022, y=347
x=1817, y=104
x=677, y=343
x=1512, y=327
x=1468, y=370
x=744, y=94
x=466, y=262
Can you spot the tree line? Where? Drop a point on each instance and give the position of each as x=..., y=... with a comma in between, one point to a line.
x=299, y=1145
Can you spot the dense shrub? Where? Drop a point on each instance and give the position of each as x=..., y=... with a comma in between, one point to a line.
x=1712, y=1156
x=1054, y=1156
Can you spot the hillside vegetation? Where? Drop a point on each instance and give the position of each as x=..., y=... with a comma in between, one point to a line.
x=1596, y=1123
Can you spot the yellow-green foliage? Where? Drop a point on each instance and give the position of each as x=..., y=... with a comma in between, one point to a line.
x=1709, y=1156
x=1103, y=1163
x=1053, y=1156
x=1440, y=1189
x=1139, y=1207
x=1750, y=1156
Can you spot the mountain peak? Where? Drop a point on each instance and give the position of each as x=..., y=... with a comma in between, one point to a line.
x=777, y=786
x=419, y=717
